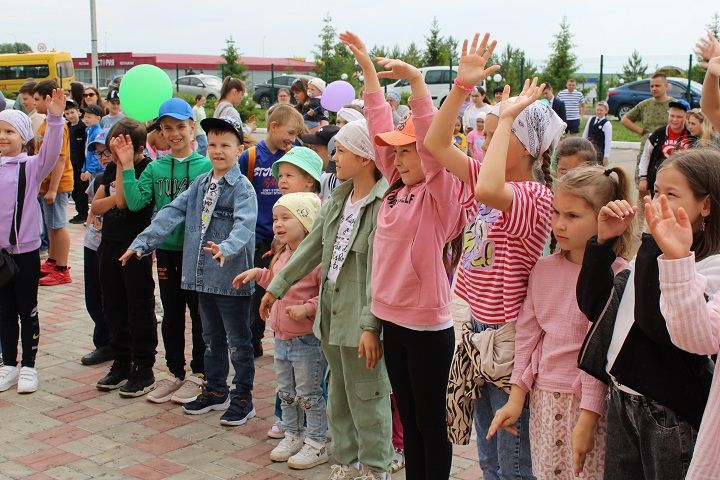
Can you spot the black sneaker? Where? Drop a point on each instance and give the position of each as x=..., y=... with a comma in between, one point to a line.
x=116, y=377
x=141, y=381
x=240, y=411
x=99, y=355
x=257, y=351
x=206, y=402
x=78, y=219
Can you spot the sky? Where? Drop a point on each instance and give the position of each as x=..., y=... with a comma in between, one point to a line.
x=287, y=28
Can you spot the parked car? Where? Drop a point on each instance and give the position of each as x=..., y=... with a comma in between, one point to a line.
x=438, y=80
x=207, y=85
x=263, y=92
x=621, y=99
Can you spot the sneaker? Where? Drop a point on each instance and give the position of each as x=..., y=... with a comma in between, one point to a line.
x=116, y=377
x=373, y=475
x=141, y=381
x=276, y=431
x=343, y=472
x=97, y=356
x=27, y=380
x=190, y=389
x=47, y=268
x=56, y=277
x=206, y=402
x=398, y=462
x=311, y=455
x=8, y=377
x=288, y=446
x=78, y=219
x=165, y=389
x=238, y=413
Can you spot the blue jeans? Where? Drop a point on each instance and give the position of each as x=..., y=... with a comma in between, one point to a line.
x=202, y=143
x=299, y=366
x=226, y=325
x=505, y=456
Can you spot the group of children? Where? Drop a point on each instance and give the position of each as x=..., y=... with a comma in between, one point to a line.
x=583, y=363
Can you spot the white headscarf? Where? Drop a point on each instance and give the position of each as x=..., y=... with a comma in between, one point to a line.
x=355, y=136
x=20, y=122
x=350, y=114
x=538, y=128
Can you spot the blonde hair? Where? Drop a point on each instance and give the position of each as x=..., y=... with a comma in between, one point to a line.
x=707, y=132
x=598, y=186
x=284, y=114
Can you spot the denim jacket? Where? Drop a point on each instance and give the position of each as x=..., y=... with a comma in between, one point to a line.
x=232, y=227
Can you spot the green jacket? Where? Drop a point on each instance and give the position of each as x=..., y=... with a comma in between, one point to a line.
x=351, y=299
x=162, y=181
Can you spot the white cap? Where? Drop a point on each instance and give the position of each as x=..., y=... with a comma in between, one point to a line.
x=355, y=136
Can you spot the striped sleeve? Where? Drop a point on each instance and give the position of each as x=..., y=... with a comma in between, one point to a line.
x=530, y=207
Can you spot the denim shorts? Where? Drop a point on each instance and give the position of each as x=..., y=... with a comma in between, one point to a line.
x=56, y=212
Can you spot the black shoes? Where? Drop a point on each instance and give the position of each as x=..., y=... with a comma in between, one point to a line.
x=238, y=413
x=99, y=355
x=78, y=219
x=141, y=381
x=116, y=377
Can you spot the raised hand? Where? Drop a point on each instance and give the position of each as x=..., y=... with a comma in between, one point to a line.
x=713, y=66
x=511, y=107
x=471, y=69
x=214, y=249
x=245, y=277
x=397, y=69
x=56, y=104
x=673, y=235
x=357, y=47
x=123, y=149
x=613, y=219
x=707, y=47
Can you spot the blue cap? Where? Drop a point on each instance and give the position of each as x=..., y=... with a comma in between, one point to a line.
x=101, y=137
x=176, y=108
x=681, y=104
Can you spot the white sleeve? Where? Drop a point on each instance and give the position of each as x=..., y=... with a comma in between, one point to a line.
x=587, y=128
x=607, y=129
x=645, y=159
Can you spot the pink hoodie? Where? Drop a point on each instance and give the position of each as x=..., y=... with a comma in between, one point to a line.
x=409, y=283
x=305, y=292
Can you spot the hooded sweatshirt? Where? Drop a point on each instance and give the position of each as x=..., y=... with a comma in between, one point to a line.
x=162, y=181
x=37, y=167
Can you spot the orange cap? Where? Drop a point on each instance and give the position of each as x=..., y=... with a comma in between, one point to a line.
x=404, y=134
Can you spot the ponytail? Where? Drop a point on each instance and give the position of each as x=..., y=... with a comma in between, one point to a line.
x=229, y=84
x=545, y=168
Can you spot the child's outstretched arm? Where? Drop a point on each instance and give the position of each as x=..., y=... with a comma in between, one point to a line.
x=471, y=71
x=52, y=144
x=377, y=109
x=491, y=188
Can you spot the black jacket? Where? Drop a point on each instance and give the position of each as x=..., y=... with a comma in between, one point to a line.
x=648, y=361
x=559, y=107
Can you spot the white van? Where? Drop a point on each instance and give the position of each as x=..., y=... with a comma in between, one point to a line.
x=438, y=80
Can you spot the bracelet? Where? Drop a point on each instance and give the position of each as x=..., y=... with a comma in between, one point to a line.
x=463, y=87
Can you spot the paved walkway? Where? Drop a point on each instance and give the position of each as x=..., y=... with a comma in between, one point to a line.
x=70, y=430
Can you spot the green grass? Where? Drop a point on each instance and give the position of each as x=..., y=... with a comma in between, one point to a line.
x=620, y=133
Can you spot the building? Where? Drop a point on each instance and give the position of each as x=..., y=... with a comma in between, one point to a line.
x=259, y=69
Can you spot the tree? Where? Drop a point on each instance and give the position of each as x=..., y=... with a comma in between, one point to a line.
x=17, y=47
x=332, y=58
x=562, y=63
x=434, y=46
x=450, y=51
x=413, y=55
x=634, y=69
x=714, y=25
x=514, y=67
x=233, y=65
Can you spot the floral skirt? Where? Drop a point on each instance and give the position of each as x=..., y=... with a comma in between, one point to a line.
x=553, y=417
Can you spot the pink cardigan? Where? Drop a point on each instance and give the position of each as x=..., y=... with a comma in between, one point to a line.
x=694, y=326
x=305, y=292
x=409, y=282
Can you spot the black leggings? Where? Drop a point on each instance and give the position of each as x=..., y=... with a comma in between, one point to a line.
x=18, y=299
x=418, y=363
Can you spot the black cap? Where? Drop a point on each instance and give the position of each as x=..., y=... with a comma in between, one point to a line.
x=321, y=137
x=227, y=124
x=681, y=104
x=113, y=95
x=94, y=109
x=70, y=103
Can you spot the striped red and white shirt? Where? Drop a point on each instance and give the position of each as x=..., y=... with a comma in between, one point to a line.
x=500, y=248
x=694, y=326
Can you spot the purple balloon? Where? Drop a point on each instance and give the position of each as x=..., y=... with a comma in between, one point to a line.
x=336, y=95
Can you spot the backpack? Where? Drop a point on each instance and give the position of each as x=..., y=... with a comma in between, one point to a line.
x=252, y=155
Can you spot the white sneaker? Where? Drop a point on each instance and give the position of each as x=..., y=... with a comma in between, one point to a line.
x=373, y=475
x=398, y=462
x=342, y=472
x=8, y=377
x=288, y=446
x=28, y=380
x=165, y=388
x=310, y=455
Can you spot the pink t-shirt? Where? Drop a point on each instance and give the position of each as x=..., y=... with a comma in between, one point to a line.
x=475, y=142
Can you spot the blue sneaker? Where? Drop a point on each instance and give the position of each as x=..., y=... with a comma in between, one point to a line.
x=206, y=402
x=240, y=411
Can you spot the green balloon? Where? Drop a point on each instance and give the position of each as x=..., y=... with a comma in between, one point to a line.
x=142, y=90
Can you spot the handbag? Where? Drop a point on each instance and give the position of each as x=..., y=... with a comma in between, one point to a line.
x=8, y=267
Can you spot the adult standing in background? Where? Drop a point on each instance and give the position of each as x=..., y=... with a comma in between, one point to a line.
x=574, y=106
x=199, y=113
x=77, y=90
x=399, y=112
x=555, y=103
x=651, y=113
x=476, y=107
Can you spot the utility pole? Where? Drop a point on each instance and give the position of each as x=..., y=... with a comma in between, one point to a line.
x=93, y=44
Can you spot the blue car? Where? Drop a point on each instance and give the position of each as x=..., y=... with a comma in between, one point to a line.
x=622, y=99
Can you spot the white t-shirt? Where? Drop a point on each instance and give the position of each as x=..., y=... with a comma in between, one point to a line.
x=342, y=241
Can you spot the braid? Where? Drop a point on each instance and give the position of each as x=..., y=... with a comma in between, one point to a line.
x=545, y=167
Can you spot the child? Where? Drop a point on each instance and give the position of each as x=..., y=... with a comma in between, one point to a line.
x=219, y=211
x=340, y=241
x=78, y=137
x=506, y=236
x=322, y=142
x=112, y=101
x=161, y=183
x=93, y=161
x=157, y=146
x=567, y=406
x=284, y=125
x=410, y=291
x=231, y=95
x=349, y=113
x=20, y=175
x=92, y=115
x=299, y=170
x=200, y=115
x=309, y=107
x=599, y=131
x=476, y=138
x=459, y=137
x=25, y=94
x=299, y=361
x=128, y=291
x=574, y=152
x=688, y=279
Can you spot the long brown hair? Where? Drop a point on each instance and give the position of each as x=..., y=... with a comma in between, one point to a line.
x=229, y=84
x=701, y=167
